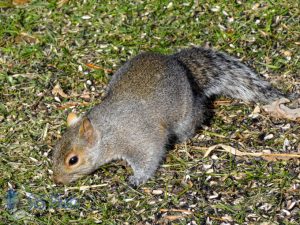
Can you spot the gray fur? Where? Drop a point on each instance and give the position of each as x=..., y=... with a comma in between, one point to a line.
x=153, y=97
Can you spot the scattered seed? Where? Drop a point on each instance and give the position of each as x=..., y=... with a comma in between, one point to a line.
x=214, y=196
x=170, y=5
x=207, y=166
x=290, y=205
x=230, y=19
x=286, y=144
x=286, y=126
x=33, y=159
x=88, y=82
x=157, y=192
x=268, y=137
x=227, y=218
x=214, y=157
x=215, y=8
x=56, y=98
x=210, y=171
x=208, y=178
x=286, y=212
x=266, y=207
x=225, y=13
x=255, y=6
x=86, y=17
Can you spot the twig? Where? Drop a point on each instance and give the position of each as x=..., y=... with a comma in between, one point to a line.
x=177, y=210
x=83, y=188
x=267, y=156
x=90, y=65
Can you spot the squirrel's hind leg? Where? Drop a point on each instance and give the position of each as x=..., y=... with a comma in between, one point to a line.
x=188, y=125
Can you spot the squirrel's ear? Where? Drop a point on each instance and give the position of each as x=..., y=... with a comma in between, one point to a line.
x=72, y=119
x=87, y=131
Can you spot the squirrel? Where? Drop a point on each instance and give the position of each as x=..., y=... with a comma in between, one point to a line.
x=150, y=99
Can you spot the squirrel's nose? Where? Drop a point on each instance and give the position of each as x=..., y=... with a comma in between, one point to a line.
x=57, y=180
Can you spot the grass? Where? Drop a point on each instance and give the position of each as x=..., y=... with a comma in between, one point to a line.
x=42, y=44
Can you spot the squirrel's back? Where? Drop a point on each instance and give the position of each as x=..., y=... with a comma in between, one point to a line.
x=213, y=73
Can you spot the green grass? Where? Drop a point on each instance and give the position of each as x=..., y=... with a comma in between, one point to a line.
x=42, y=44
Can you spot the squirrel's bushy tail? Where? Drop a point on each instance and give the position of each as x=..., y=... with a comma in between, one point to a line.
x=217, y=73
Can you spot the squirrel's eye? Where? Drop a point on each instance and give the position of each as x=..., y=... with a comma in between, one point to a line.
x=73, y=160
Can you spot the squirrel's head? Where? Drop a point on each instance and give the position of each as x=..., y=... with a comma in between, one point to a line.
x=73, y=156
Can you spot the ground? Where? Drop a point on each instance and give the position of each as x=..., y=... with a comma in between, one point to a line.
x=78, y=45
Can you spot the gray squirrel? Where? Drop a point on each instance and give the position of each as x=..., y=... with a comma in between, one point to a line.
x=150, y=99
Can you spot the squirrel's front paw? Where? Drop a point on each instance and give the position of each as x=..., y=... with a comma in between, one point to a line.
x=136, y=181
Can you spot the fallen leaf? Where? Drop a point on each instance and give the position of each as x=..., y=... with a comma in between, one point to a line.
x=266, y=156
x=222, y=102
x=92, y=66
x=26, y=38
x=286, y=53
x=60, y=3
x=255, y=112
x=72, y=104
x=146, y=190
x=85, y=96
x=20, y=2
x=172, y=218
x=278, y=110
x=57, y=90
